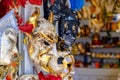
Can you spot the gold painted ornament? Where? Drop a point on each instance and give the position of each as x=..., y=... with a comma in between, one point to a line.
x=33, y=18
x=51, y=17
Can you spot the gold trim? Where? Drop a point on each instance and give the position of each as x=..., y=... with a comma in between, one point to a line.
x=44, y=52
x=33, y=18
x=51, y=17
x=46, y=37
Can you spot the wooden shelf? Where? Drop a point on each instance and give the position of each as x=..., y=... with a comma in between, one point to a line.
x=104, y=58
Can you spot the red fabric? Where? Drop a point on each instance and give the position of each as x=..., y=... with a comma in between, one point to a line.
x=5, y=6
x=51, y=77
x=26, y=28
x=21, y=3
x=41, y=76
x=48, y=77
x=36, y=2
x=19, y=19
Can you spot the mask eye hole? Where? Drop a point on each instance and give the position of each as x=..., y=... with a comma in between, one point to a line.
x=69, y=65
x=46, y=43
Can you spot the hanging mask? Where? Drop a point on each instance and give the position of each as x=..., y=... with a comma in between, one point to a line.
x=43, y=51
x=8, y=49
x=68, y=28
x=68, y=23
x=8, y=28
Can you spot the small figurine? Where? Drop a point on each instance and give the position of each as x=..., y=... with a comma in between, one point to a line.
x=96, y=39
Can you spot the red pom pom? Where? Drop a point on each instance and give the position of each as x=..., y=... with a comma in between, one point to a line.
x=26, y=28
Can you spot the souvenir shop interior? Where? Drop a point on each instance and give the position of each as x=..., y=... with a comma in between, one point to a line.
x=59, y=39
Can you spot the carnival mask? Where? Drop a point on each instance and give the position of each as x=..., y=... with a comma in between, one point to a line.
x=43, y=52
x=9, y=57
x=68, y=31
x=67, y=21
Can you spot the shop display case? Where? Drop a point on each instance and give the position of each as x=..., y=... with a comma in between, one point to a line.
x=99, y=53
x=97, y=48
x=100, y=59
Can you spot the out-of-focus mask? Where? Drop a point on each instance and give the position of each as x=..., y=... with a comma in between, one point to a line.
x=9, y=57
x=67, y=21
x=68, y=31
